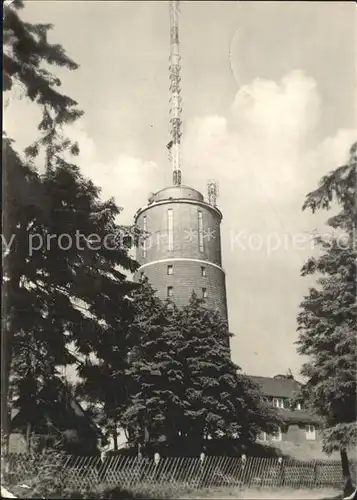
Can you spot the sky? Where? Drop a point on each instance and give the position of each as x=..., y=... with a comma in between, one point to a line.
x=269, y=106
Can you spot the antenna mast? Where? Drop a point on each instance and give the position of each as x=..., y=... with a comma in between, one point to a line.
x=175, y=90
x=213, y=192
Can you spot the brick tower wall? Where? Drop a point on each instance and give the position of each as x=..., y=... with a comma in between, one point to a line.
x=183, y=247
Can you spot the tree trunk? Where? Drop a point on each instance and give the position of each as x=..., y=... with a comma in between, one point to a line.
x=5, y=376
x=9, y=271
x=28, y=436
x=348, y=487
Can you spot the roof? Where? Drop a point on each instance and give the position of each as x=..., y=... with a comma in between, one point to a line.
x=298, y=417
x=177, y=192
x=277, y=387
x=285, y=387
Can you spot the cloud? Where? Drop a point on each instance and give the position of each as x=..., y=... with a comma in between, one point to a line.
x=265, y=155
x=269, y=107
x=264, y=150
x=126, y=178
x=261, y=152
x=262, y=139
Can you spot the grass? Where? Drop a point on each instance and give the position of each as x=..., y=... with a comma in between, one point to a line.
x=267, y=494
x=149, y=491
x=182, y=492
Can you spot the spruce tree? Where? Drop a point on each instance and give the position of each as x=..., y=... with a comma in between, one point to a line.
x=221, y=402
x=327, y=321
x=63, y=284
x=155, y=377
x=184, y=388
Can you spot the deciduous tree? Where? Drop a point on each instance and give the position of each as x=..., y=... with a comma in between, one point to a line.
x=327, y=321
x=155, y=373
x=64, y=285
x=184, y=386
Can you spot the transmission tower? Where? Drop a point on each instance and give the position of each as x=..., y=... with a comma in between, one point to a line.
x=175, y=90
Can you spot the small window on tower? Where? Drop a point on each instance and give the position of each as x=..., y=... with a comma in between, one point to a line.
x=170, y=229
x=170, y=270
x=204, y=293
x=203, y=271
x=169, y=291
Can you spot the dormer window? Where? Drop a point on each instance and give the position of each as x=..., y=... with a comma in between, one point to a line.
x=262, y=436
x=279, y=403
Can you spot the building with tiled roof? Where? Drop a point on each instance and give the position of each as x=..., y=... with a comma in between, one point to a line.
x=300, y=434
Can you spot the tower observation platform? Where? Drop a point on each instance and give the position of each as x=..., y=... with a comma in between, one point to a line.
x=182, y=251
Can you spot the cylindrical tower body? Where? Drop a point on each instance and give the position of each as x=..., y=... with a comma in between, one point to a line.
x=182, y=252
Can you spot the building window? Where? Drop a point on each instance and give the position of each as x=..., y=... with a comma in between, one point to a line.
x=200, y=231
x=262, y=436
x=141, y=274
x=170, y=270
x=170, y=229
x=169, y=291
x=298, y=406
x=204, y=293
x=277, y=435
x=203, y=271
x=145, y=236
x=310, y=432
x=279, y=403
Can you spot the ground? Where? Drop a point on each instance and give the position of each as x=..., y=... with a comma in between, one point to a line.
x=281, y=494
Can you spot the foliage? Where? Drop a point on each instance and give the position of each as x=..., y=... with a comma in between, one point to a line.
x=63, y=282
x=28, y=60
x=39, y=478
x=155, y=376
x=184, y=387
x=62, y=300
x=221, y=401
x=327, y=320
x=342, y=435
x=51, y=418
x=328, y=317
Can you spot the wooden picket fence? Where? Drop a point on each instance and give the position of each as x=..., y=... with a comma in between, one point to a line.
x=254, y=472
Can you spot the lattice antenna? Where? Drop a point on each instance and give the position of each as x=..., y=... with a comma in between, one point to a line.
x=213, y=192
x=175, y=90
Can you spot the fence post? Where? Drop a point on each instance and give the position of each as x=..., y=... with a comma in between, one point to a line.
x=244, y=460
x=202, y=469
x=316, y=474
x=281, y=471
x=156, y=460
x=301, y=479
